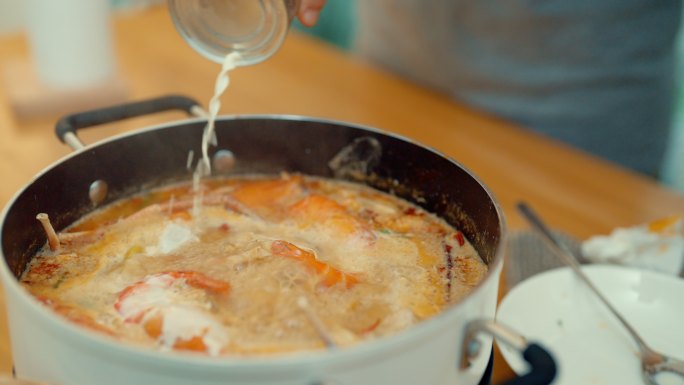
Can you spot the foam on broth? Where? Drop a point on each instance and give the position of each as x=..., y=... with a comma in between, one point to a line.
x=268, y=265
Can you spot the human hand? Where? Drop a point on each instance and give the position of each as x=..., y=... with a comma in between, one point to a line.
x=309, y=11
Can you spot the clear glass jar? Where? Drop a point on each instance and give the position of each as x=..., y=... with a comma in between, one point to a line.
x=215, y=28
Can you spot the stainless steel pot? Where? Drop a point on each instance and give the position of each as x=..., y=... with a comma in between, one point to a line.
x=442, y=350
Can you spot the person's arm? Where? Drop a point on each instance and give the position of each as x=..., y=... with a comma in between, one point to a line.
x=309, y=11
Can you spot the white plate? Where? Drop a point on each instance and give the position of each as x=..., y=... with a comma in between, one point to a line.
x=556, y=309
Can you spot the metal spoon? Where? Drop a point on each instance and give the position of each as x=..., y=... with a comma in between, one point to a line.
x=652, y=362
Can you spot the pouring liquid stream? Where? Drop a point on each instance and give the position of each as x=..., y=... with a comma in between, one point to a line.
x=203, y=168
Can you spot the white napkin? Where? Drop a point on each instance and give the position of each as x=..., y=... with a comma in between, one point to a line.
x=658, y=245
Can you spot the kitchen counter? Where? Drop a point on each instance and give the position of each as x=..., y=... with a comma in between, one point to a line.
x=578, y=194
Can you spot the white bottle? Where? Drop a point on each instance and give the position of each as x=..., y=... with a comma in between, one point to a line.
x=71, y=42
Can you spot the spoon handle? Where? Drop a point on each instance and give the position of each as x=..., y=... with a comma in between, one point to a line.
x=568, y=258
x=673, y=365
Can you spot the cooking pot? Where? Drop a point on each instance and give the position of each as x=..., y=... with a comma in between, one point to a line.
x=446, y=349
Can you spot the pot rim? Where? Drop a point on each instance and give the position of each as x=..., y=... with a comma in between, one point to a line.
x=361, y=351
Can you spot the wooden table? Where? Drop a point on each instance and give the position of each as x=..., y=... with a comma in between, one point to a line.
x=577, y=193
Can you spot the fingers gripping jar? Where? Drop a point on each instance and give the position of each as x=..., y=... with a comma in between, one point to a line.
x=253, y=28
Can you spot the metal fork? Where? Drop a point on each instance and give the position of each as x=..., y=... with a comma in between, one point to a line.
x=652, y=362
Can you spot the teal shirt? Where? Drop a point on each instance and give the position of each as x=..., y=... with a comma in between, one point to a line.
x=597, y=74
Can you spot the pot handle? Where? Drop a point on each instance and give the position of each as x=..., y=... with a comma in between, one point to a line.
x=543, y=366
x=66, y=127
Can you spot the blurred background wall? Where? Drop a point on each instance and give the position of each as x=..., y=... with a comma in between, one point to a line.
x=337, y=26
x=11, y=15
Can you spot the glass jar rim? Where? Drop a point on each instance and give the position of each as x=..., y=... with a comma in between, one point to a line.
x=213, y=36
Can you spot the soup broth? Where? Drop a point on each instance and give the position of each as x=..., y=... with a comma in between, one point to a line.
x=263, y=265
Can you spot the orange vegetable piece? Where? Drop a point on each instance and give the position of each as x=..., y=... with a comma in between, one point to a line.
x=317, y=209
x=153, y=327
x=201, y=281
x=267, y=193
x=183, y=215
x=196, y=343
x=662, y=224
x=330, y=275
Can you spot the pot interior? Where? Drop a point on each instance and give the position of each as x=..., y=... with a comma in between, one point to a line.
x=270, y=145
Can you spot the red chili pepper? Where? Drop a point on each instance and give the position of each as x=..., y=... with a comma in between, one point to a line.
x=410, y=211
x=449, y=260
x=460, y=238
